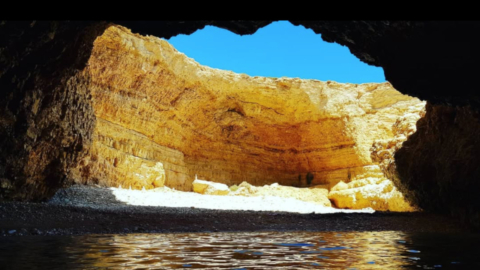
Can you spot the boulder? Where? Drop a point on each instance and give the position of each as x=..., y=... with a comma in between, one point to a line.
x=377, y=193
x=210, y=188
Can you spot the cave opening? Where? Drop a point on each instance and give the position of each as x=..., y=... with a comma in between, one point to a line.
x=277, y=50
x=162, y=120
x=135, y=122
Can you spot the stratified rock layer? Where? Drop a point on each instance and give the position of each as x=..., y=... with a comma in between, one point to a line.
x=163, y=118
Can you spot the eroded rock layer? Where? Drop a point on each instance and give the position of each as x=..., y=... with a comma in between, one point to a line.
x=162, y=119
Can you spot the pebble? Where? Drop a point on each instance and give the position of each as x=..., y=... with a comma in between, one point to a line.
x=79, y=217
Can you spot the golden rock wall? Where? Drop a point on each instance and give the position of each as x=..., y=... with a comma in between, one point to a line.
x=162, y=118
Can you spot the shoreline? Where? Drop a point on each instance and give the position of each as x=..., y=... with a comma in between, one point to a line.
x=81, y=210
x=50, y=219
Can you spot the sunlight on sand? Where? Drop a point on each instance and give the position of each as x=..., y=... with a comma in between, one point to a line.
x=172, y=198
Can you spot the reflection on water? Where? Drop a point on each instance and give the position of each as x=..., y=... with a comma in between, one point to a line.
x=263, y=250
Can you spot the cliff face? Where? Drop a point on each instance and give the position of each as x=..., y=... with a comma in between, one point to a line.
x=161, y=118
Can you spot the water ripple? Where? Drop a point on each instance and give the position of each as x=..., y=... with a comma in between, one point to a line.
x=266, y=250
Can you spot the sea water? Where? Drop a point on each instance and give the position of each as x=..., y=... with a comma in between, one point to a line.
x=244, y=250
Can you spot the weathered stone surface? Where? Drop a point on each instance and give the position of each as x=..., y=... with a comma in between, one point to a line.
x=46, y=116
x=438, y=167
x=156, y=104
x=116, y=158
x=210, y=188
x=369, y=188
x=377, y=193
x=383, y=151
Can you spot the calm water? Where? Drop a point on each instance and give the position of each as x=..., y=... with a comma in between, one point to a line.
x=276, y=250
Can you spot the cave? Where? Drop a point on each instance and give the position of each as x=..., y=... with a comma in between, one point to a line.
x=57, y=125
x=110, y=103
x=160, y=119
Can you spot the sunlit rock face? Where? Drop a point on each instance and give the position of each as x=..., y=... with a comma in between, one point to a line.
x=163, y=118
x=373, y=190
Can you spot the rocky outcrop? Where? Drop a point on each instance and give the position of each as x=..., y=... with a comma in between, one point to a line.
x=155, y=108
x=46, y=117
x=375, y=192
x=374, y=189
x=438, y=167
x=383, y=151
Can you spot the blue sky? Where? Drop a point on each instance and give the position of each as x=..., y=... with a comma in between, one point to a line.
x=277, y=50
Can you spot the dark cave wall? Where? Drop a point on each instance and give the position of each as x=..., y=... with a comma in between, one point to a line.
x=434, y=61
x=46, y=117
x=438, y=167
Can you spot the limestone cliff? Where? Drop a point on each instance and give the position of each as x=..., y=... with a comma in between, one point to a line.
x=162, y=118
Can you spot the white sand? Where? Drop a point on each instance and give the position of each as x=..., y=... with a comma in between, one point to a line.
x=171, y=198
